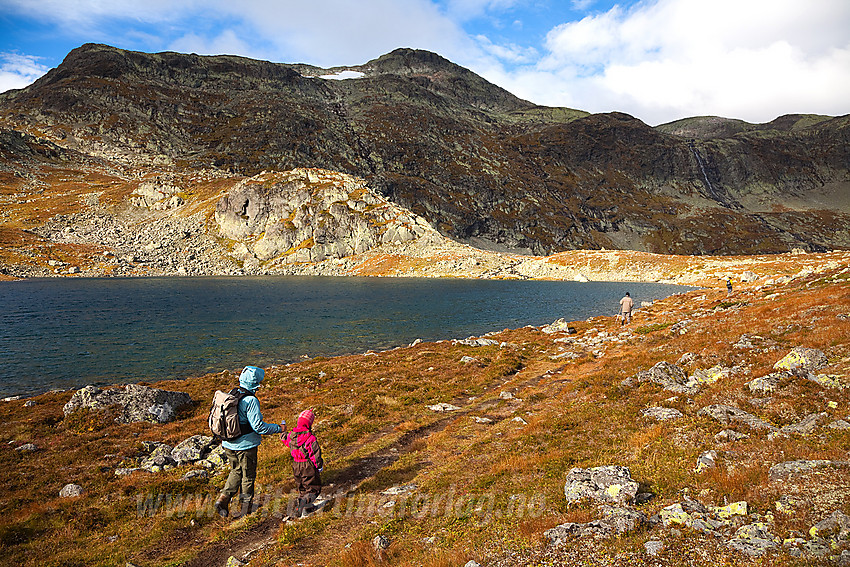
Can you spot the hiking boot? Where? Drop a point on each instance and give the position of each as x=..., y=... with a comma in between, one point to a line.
x=245, y=505
x=222, y=504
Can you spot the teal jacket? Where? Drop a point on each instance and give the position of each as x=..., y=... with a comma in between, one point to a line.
x=249, y=412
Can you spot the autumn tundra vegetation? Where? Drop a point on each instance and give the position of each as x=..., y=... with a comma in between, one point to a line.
x=443, y=453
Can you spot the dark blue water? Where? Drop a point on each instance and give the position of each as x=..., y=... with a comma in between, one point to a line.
x=63, y=333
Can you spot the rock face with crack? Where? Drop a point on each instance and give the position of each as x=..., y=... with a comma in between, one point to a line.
x=133, y=402
x=312, y=215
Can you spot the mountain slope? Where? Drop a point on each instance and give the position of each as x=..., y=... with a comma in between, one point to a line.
x=481, y=165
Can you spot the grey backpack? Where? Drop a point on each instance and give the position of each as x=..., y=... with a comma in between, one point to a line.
x=224, y=414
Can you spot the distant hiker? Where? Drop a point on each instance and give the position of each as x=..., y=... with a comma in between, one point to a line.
x=242, y=451
x=307, y=462
x=626, y=305
x=728, y=286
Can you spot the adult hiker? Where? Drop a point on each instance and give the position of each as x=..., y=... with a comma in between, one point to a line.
x=307, y=463
x=242, y=451
x=626, y=305
x=728, y=286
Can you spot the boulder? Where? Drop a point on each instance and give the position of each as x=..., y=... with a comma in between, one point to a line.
x=810, y=359
x=783, y=471
x=729, y=414
x=707, y=460
x=133, y=402
x=191, y=449
x=443, y=407
x=615, y=520
x=71, y=491
x=708, y=375
x=559, y=326
x=768, y=383
x=836, y=525
x=754, y=540
x=729, y=435
x=805, y=426
x=608, y=484
x=661, y=414
x=669, y=376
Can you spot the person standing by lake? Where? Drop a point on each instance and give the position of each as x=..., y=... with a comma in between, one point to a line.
x=626, y=305
x=242, y=451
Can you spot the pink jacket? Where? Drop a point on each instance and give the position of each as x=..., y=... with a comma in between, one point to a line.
x=303, y=446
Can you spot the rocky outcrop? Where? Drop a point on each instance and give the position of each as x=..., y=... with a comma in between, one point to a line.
x=132, y=402
x=608, y=484
x=310, y=216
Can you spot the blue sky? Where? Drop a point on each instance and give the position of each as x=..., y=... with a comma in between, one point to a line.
x=659, y=60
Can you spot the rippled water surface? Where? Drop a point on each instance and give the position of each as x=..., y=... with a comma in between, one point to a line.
x=62, y=333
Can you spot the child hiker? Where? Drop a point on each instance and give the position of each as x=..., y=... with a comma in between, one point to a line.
x=307, y=463
x=242, y=451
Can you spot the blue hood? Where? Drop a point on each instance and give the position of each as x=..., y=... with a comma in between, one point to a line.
x=251, y=377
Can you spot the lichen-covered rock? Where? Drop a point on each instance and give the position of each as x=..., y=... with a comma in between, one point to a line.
x=806, y=425
x=709, y=375
x=768, y=383
x=71, y=491
x=754, y=540
x=615, y=520
x=730, y=414
x=608, y=484
x=707, y=460
x=729, y=435
x=133, y=402
x=810, y=359
x=783, y=471
x=159, y=458
x=669, y=376
x=661, y=414
x=191, y=449
x=836, y=525
x=559, y=326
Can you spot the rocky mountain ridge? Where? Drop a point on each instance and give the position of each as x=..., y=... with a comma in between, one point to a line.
x=475, y=162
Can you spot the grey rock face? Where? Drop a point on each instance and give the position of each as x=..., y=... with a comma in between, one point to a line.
x=71, y=491
x=191, y=449
x=669, y=376
x=783, y=471
x=615, y=521
x=310, y=216
x=134, y=402
x=810, y=359
x=661, y=414
x=729, y=414
x=608, y=484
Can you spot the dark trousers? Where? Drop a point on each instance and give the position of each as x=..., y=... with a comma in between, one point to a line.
x=243, y=472
x=308, y=483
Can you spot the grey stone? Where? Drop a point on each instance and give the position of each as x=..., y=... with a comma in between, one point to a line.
x=661, y=414
x=729, y=414
x=653, y=547
x=191, y=449
x=615, y=520
x=768, y=383
x=669, y=376
x=609, y=484
x=443, y=407
x=30, y=403
x=753, y=540
x=810, y=359
x=197, y=473
x=788, y=469
x=128, y=471
x=805, y=426
x=27, y=448
x=134, y=402
x=71, y=491
x=839, y=424
x=707, y=460
x=836, y=525
x=380, y=542
x=729, y=435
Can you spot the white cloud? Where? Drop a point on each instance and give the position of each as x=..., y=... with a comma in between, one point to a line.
x=18, y=71
x=753, y=59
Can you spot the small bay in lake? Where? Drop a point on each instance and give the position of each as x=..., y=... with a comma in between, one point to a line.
x=64, y=333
